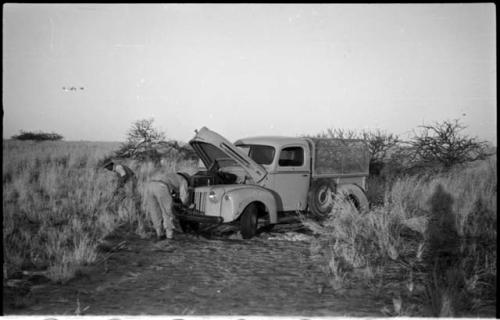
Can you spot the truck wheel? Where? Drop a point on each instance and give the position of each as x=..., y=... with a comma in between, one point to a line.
x=355, y=195
x=320, y=197
x=248, y=221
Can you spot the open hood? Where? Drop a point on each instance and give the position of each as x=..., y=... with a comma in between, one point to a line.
x=212, y=147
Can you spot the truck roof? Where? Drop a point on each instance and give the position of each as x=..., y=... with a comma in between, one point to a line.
x=271, y=140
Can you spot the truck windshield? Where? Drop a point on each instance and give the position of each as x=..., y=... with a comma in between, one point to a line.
x=259, y=153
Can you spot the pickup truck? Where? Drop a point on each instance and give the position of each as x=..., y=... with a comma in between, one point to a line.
x=260, y=179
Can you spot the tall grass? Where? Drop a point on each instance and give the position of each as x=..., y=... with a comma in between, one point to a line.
x=56, y=204
x=398, y=232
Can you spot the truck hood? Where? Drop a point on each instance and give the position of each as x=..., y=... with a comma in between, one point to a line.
x=211, y=147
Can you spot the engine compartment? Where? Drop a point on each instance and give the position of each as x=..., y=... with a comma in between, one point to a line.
x=209, y=178
x=202, y=178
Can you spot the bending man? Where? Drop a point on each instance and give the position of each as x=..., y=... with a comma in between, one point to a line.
x=126, y=185
x=159, y=201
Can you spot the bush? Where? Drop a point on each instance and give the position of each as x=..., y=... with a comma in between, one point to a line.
x=443, y=144
x=143, y=141
x=37, y=136
x=147, y=143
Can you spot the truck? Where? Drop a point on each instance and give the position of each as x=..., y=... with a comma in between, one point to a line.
x=256, y=181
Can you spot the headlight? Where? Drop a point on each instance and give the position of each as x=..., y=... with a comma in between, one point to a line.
x=212, y=196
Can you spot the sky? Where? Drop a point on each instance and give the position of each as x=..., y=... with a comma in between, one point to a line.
x=88, y=71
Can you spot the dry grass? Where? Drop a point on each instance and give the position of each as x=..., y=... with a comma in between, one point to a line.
x=56, y=204
x=396, y=233
x=56, y=210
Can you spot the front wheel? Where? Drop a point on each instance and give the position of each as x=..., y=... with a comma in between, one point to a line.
x=248, y=221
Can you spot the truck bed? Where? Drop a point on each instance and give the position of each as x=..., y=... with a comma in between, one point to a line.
x=339, y=158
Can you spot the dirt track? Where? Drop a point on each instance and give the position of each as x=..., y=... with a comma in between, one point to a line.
x=197, y=276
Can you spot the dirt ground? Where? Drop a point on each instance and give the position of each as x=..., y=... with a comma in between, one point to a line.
x=268, y=275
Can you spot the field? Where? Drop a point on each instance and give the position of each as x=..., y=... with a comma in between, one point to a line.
x=57, y=217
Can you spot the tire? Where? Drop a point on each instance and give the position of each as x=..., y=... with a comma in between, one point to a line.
x=355, y=195
x=320, y=197
x=248, y=221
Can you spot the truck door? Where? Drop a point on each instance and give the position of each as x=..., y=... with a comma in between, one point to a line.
x=291, y=178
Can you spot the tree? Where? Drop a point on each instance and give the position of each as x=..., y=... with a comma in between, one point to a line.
x=143, y=141
x=443, y=143
x=146, y=142
x=143, y=131
x=380, y=145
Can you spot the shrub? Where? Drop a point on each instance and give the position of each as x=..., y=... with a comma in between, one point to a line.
x=37, y=136
x=142, y=143
x=443, y=143
x=147, y=143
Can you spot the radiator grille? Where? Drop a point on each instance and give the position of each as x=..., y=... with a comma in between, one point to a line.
x=200, y=200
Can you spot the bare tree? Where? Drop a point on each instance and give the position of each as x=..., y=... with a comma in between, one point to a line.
x=143, y=131
x=338, y=133
x=146, y=142
x=380, y=144
x=443, y=143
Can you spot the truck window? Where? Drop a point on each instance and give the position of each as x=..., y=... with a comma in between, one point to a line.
x=258, y=153
x=291, y=157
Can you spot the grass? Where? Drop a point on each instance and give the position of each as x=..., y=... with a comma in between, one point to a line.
x=56, y=204
x=410, y=237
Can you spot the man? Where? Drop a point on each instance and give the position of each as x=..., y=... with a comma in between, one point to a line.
x=160, y=202
x=127, y=184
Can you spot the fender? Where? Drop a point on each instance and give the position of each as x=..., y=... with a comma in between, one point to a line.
x=349, y=187
x=357, y=192
x=236, y=200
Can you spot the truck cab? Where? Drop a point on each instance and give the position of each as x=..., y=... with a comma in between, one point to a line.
x=288, y=164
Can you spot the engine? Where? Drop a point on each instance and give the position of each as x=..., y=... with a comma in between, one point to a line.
x=208, y=178
x=205, y=178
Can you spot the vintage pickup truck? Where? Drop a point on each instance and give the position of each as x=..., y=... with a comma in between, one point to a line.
x=258, y=180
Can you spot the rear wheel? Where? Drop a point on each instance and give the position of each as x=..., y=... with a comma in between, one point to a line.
x=248, y=221
x=320, y=197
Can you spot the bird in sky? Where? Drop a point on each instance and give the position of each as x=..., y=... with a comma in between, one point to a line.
x=72, y=88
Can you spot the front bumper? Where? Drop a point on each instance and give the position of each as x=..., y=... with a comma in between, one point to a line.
x=185, y=214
